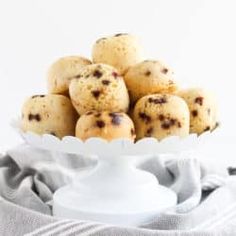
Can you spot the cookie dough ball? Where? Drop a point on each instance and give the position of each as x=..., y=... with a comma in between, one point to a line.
x=160, y=116
x=149, y=77
x=106, y=125
x=120, y=51
x=62, y=71
x=99, y=87
x=49, y=114
x=203, y=109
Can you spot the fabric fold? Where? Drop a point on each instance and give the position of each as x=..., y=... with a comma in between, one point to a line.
x=29, y=177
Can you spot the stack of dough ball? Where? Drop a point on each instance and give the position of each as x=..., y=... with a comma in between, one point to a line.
x=62, y=71
x=49, y=114
x=149, y=77
x=106, y=125
x=160, y=116
x=120, y=51
x=203, y=109
x=117, y=81
x=99, y=87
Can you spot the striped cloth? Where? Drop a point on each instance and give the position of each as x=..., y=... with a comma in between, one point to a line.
x=28, y=178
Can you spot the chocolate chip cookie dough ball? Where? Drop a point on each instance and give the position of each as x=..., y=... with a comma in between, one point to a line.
x=160, y=116
x=106, y=125
x=120, y=51
x=49, y=114
x=203, y=109
x=99, y=87
x=149, y=77
x=62, y=71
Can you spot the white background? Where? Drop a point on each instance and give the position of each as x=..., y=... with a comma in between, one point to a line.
x=196, y=37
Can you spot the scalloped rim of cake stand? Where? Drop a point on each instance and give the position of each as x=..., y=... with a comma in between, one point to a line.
x=118, y=147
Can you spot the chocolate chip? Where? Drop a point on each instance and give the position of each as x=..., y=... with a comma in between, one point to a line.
x=148, y=73
x=97, y=115
x=164, y=70
x=160, y=100
x=145, y=117
x=106, y=82
x=165, y=125
x=53, y=133
x=120, y=34
x=115, y=118
x=112, y=114
x=96, y=93
x=161, y=117
x=168, y=122
x=199, y=100
x=157, y=100
x=35, y=96
x=97, y=74
x=30, y=117
x=100, y=123
x=36, y=117
x=172, y=122
x=194, y=113
x=149, y=132
x=207, y=128
x=132, y=132
x=115, y=74
x=179, y=124
x=89, y=113
x=78, y=76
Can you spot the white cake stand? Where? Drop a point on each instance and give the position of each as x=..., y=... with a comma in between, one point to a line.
x=114, y=191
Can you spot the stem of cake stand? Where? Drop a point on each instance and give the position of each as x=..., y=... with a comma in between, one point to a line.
x=115, y=170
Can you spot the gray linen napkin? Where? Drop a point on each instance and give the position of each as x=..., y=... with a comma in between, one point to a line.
x=28, y=178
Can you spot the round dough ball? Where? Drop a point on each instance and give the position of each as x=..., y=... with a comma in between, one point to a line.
x=160, y=116
x=99, y=87
x=106, y=125
x=203, y=109
x=149, y=77
x=49, y=114
x=62, y=71
x=120, y=51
